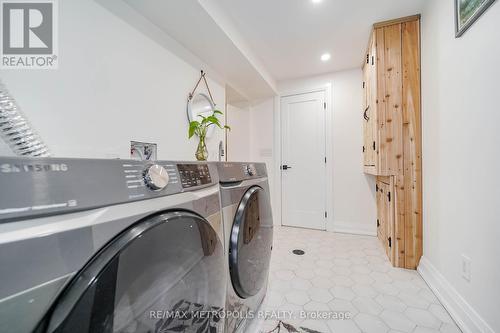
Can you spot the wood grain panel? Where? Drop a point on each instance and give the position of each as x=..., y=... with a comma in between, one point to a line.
x=412, y=139
x=394, y=133
x=382, y=156
x=393, y=87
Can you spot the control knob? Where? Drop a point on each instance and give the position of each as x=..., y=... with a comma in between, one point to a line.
x=156, y=177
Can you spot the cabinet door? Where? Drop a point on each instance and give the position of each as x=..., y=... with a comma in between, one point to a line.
x=385, y=216
x=373, y=110
x=370, y=128
x=367, y=128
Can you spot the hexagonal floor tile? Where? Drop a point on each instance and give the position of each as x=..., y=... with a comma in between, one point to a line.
x=341, y=280
x=423, y=318
x=397, y=321
x=370, y=324
x=301, y=284
x=367, y=305
x=392, y=303
x=364, y=290
x=323, y=282
x=314, y=306
x=298, y=297
x=320, y=295
x=349, y=273
x=340, y=305
x=343, y=293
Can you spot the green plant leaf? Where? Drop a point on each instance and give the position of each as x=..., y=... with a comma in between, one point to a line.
x=227, y=127
x=213, y=119
x=193, y=127
x=217, y=112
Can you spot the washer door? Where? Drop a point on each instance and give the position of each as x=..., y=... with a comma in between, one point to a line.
x=251, y=243
x=159, y=276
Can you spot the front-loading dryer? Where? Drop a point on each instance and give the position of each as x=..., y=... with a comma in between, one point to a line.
x=248, y=230
x=110, y=246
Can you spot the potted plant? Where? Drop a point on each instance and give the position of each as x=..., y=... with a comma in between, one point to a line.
x=200, y=128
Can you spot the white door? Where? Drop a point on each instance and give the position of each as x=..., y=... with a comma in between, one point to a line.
x=303, y=162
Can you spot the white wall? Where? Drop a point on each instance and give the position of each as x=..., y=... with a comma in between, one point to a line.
x=113, y=85
x=239, y=137
x=261, y=148
x=461, y=117
x=354, y=206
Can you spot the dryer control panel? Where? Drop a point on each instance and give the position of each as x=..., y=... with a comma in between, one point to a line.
x=235, y=172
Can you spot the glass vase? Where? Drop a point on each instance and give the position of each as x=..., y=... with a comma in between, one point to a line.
x=202, y=151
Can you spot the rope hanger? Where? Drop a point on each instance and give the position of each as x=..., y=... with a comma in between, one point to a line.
x=202, y=77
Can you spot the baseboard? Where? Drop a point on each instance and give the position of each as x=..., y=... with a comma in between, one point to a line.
x=462, y=312
x=353, y=228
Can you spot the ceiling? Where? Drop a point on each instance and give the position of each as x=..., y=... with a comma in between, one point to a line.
x=289, y=36
x=249, y=45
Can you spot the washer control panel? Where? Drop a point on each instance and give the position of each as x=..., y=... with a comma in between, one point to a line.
x=194, y=174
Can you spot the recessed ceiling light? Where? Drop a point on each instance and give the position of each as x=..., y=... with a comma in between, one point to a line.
x=325, y=57
x=316, y=1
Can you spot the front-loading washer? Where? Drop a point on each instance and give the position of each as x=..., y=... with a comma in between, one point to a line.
x=110, y=246
x=248, y=231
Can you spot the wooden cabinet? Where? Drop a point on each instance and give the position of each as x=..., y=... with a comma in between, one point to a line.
x=392, y=129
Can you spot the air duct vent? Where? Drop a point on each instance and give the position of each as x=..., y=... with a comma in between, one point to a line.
x=15, y=129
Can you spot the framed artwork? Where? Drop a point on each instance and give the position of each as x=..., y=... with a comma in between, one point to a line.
x=467, y=12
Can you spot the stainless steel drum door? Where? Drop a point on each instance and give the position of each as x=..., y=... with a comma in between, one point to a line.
x=250, y=243
x=162, y=275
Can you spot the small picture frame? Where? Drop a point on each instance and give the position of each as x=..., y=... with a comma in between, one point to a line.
x=467, y=12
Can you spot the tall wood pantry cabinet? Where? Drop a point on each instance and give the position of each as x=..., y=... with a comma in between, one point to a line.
x=392, y=148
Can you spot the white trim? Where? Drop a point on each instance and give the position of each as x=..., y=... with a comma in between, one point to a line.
x=462, y=312
x=328, y=93
x=277, y=161
x=364, y=229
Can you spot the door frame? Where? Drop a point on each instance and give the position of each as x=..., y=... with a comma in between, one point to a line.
x=327, y=89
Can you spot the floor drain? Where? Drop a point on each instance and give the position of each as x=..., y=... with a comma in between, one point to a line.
x=298, y=252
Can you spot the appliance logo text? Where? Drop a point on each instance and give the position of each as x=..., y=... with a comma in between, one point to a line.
x=15, y=168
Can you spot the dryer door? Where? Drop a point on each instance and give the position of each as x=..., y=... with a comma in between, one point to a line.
x=162, y=275
x=250, y=243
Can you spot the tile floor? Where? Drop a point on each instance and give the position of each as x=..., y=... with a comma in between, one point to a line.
x=347, y=274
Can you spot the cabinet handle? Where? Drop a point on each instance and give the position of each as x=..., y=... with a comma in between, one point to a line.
x=365, y=115
x=390, y=241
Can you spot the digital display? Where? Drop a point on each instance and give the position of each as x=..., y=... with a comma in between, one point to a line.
x=194, y=175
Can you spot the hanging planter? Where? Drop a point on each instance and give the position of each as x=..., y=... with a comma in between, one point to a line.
x=200, y=128
x=202, y=117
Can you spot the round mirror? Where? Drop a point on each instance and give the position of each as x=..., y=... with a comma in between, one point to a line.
x=202, y=105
